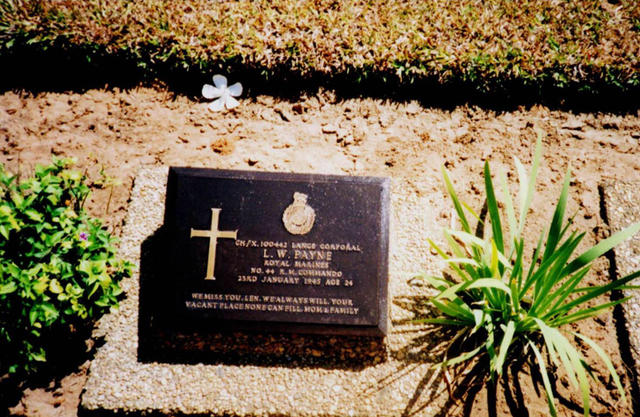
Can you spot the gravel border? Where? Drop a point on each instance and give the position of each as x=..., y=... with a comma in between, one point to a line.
x=622, y=203
x=401, y=384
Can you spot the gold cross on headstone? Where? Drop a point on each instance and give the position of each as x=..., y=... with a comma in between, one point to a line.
x=214, y=234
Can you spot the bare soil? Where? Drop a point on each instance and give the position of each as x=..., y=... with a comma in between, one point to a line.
x=117, y=132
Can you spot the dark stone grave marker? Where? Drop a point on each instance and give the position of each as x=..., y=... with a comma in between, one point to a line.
x=274, y=252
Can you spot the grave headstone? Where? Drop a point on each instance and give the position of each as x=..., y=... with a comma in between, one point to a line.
x=274, y=252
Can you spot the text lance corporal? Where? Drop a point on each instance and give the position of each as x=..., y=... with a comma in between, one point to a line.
x=346, y=247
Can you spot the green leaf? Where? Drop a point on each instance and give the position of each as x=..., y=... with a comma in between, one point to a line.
x=504, y=345
x=55, y=287
x=436, y=282
x=33, y=315
x=33, y=215
x=467, y=238
x=443, y=321
x=102, y=302
x=515, y=280
x=457, y=270
x=456, y=202
x=549, y=275
x=54, y=199
x=456, y=248
x=478, y=283
x=492, y=205
x=13, y=270
x=8, y=287
x=562, y=293
x=597, y=291
x=577, y=363
x=480, y=318
x=508, y=202
x=489, y=343
x=17, y=199
x=605, y=358
x=545, y=379
x=532, y=267
x=29, y=201
x=558, y=216
x=547, y=334
x=116, y=290
x=452, y=309
x=54, y=238
x=38, y=356
x=471, y=211
x=461, y=261
x=494, y=260
x=85, y=266
x=50, y=312
x=586, y=313
x=561, y=345
x=601, y=248
x=458, y=359
x=527, y=188
x=40, y=286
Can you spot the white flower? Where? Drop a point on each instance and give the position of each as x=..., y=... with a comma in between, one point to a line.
x=222, y=93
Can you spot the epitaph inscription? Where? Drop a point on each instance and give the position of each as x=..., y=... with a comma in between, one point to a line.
x=281, y=252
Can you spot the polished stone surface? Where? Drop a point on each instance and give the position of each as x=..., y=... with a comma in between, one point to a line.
x=275, y=252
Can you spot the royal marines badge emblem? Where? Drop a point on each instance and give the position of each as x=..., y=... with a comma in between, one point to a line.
x=298, y=218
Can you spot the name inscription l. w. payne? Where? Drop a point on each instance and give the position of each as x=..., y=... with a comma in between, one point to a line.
x=243, y=255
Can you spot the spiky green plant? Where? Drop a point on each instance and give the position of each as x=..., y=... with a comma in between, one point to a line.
x=500, y=303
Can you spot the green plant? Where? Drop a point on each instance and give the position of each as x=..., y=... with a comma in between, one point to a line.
x=501, y=306
x=107, y=181
x=58, y=270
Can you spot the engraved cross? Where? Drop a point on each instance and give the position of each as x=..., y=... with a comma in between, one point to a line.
x=213, y=234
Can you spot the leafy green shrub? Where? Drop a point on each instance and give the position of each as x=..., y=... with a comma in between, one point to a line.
x=58, y=270
x=503, y=308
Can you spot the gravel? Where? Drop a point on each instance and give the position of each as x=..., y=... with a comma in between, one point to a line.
x=400, y=383
x=623, y=209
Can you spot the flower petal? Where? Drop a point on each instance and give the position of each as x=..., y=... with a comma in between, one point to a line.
x=235, y=90
x=220, y=81
x=231, y=103
x=217, y=105
x=209, y=91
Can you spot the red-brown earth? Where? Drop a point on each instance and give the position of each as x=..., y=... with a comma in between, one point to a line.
x=120, y=131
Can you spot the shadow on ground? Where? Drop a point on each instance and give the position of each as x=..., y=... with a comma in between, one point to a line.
x=79, y=69
x=65, y=355
x=459, y=390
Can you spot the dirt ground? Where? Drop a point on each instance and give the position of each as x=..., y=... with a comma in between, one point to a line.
x=120, y=131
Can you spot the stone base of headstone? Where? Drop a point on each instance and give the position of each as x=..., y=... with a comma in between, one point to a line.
x=270, y=374
x=623, y=209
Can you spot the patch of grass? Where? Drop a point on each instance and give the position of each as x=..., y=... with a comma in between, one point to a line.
x=486, y=44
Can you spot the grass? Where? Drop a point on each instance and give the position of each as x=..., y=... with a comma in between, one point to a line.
x=488, y=45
